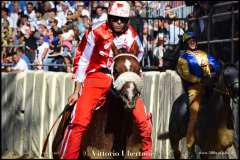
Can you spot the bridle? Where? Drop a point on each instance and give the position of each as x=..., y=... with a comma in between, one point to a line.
x=226, y=91
x=119, y=93
x=124, y=54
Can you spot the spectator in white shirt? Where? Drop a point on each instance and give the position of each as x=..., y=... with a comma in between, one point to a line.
x=42, y=28
x=66, y=41
x=81, y=9
x=25, y=27
x=42, y=51
x=30, y=12
x=100, y=15
x=62, y=10
x=158, y=51
x=19, y=63
x=22, y=54
x=14, y=15
x=39, y=18
x=174, y=30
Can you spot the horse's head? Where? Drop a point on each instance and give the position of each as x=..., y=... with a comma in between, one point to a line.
x=127, y=80
x=230, y=79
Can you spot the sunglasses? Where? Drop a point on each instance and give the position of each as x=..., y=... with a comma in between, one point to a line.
x=116, y=19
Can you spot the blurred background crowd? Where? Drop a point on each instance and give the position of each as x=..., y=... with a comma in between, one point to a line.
x=43, y=35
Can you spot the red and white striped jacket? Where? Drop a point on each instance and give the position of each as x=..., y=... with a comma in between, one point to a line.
x=94, y=52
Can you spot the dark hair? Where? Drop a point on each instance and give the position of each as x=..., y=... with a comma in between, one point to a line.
x=85, y=16
x=59, y=32
x=30, y=3
x=54, y=32
x=20, y=49
x=53, y=10
x=161, y=18
x=134, y=3
x=39, y=11
x=5, y=10
x=99, y=6
x=14, y=52
x=55, y=21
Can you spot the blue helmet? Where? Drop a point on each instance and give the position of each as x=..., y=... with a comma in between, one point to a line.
x=187, y=36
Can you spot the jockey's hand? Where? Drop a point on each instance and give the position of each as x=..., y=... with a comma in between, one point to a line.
x=72, y=98
x=206, y=80
x=204, y=63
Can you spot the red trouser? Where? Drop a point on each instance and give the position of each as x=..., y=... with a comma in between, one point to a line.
x=95, y=88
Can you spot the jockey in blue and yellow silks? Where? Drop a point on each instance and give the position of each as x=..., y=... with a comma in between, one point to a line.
x=193, y=67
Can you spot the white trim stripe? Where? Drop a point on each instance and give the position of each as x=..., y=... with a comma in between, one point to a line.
x=125, y=54
x=67, y=133
x=63, y=142
x=85, y=58
x=65, y=146
x=140, y=47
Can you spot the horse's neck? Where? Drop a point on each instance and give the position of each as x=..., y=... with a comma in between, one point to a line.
x=216, y=106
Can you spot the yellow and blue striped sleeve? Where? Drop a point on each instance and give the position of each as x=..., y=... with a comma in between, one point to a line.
x=183, y=70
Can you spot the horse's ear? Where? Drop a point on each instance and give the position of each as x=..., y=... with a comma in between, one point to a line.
x=237, y=64
x=114, y=49
x=134, y=49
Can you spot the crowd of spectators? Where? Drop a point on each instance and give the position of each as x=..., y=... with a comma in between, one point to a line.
x=43, y=35
x=160, y=35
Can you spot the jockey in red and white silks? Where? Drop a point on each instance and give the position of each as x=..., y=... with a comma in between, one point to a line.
x=103, y=52
x=92, y=82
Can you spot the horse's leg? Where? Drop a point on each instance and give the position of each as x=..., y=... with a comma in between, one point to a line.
x=177, y=125
x=119, y=146
x=236, y=127
x=175, y=147
x=120, y=135
x=191, y=152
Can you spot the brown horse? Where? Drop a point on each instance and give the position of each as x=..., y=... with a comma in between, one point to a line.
x=214, y=129
x=112, y=131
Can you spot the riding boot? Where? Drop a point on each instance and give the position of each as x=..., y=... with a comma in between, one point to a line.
x=194, y=101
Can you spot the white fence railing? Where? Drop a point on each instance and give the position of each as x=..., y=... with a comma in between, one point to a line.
x=31, y=101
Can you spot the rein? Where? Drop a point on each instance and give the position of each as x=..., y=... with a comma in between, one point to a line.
x=222, y=91
x=117, y=93
x=124, y=77
x=125, y=54
x=225, y=91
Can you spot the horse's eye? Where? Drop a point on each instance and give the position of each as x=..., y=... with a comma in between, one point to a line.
x=124, y=94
